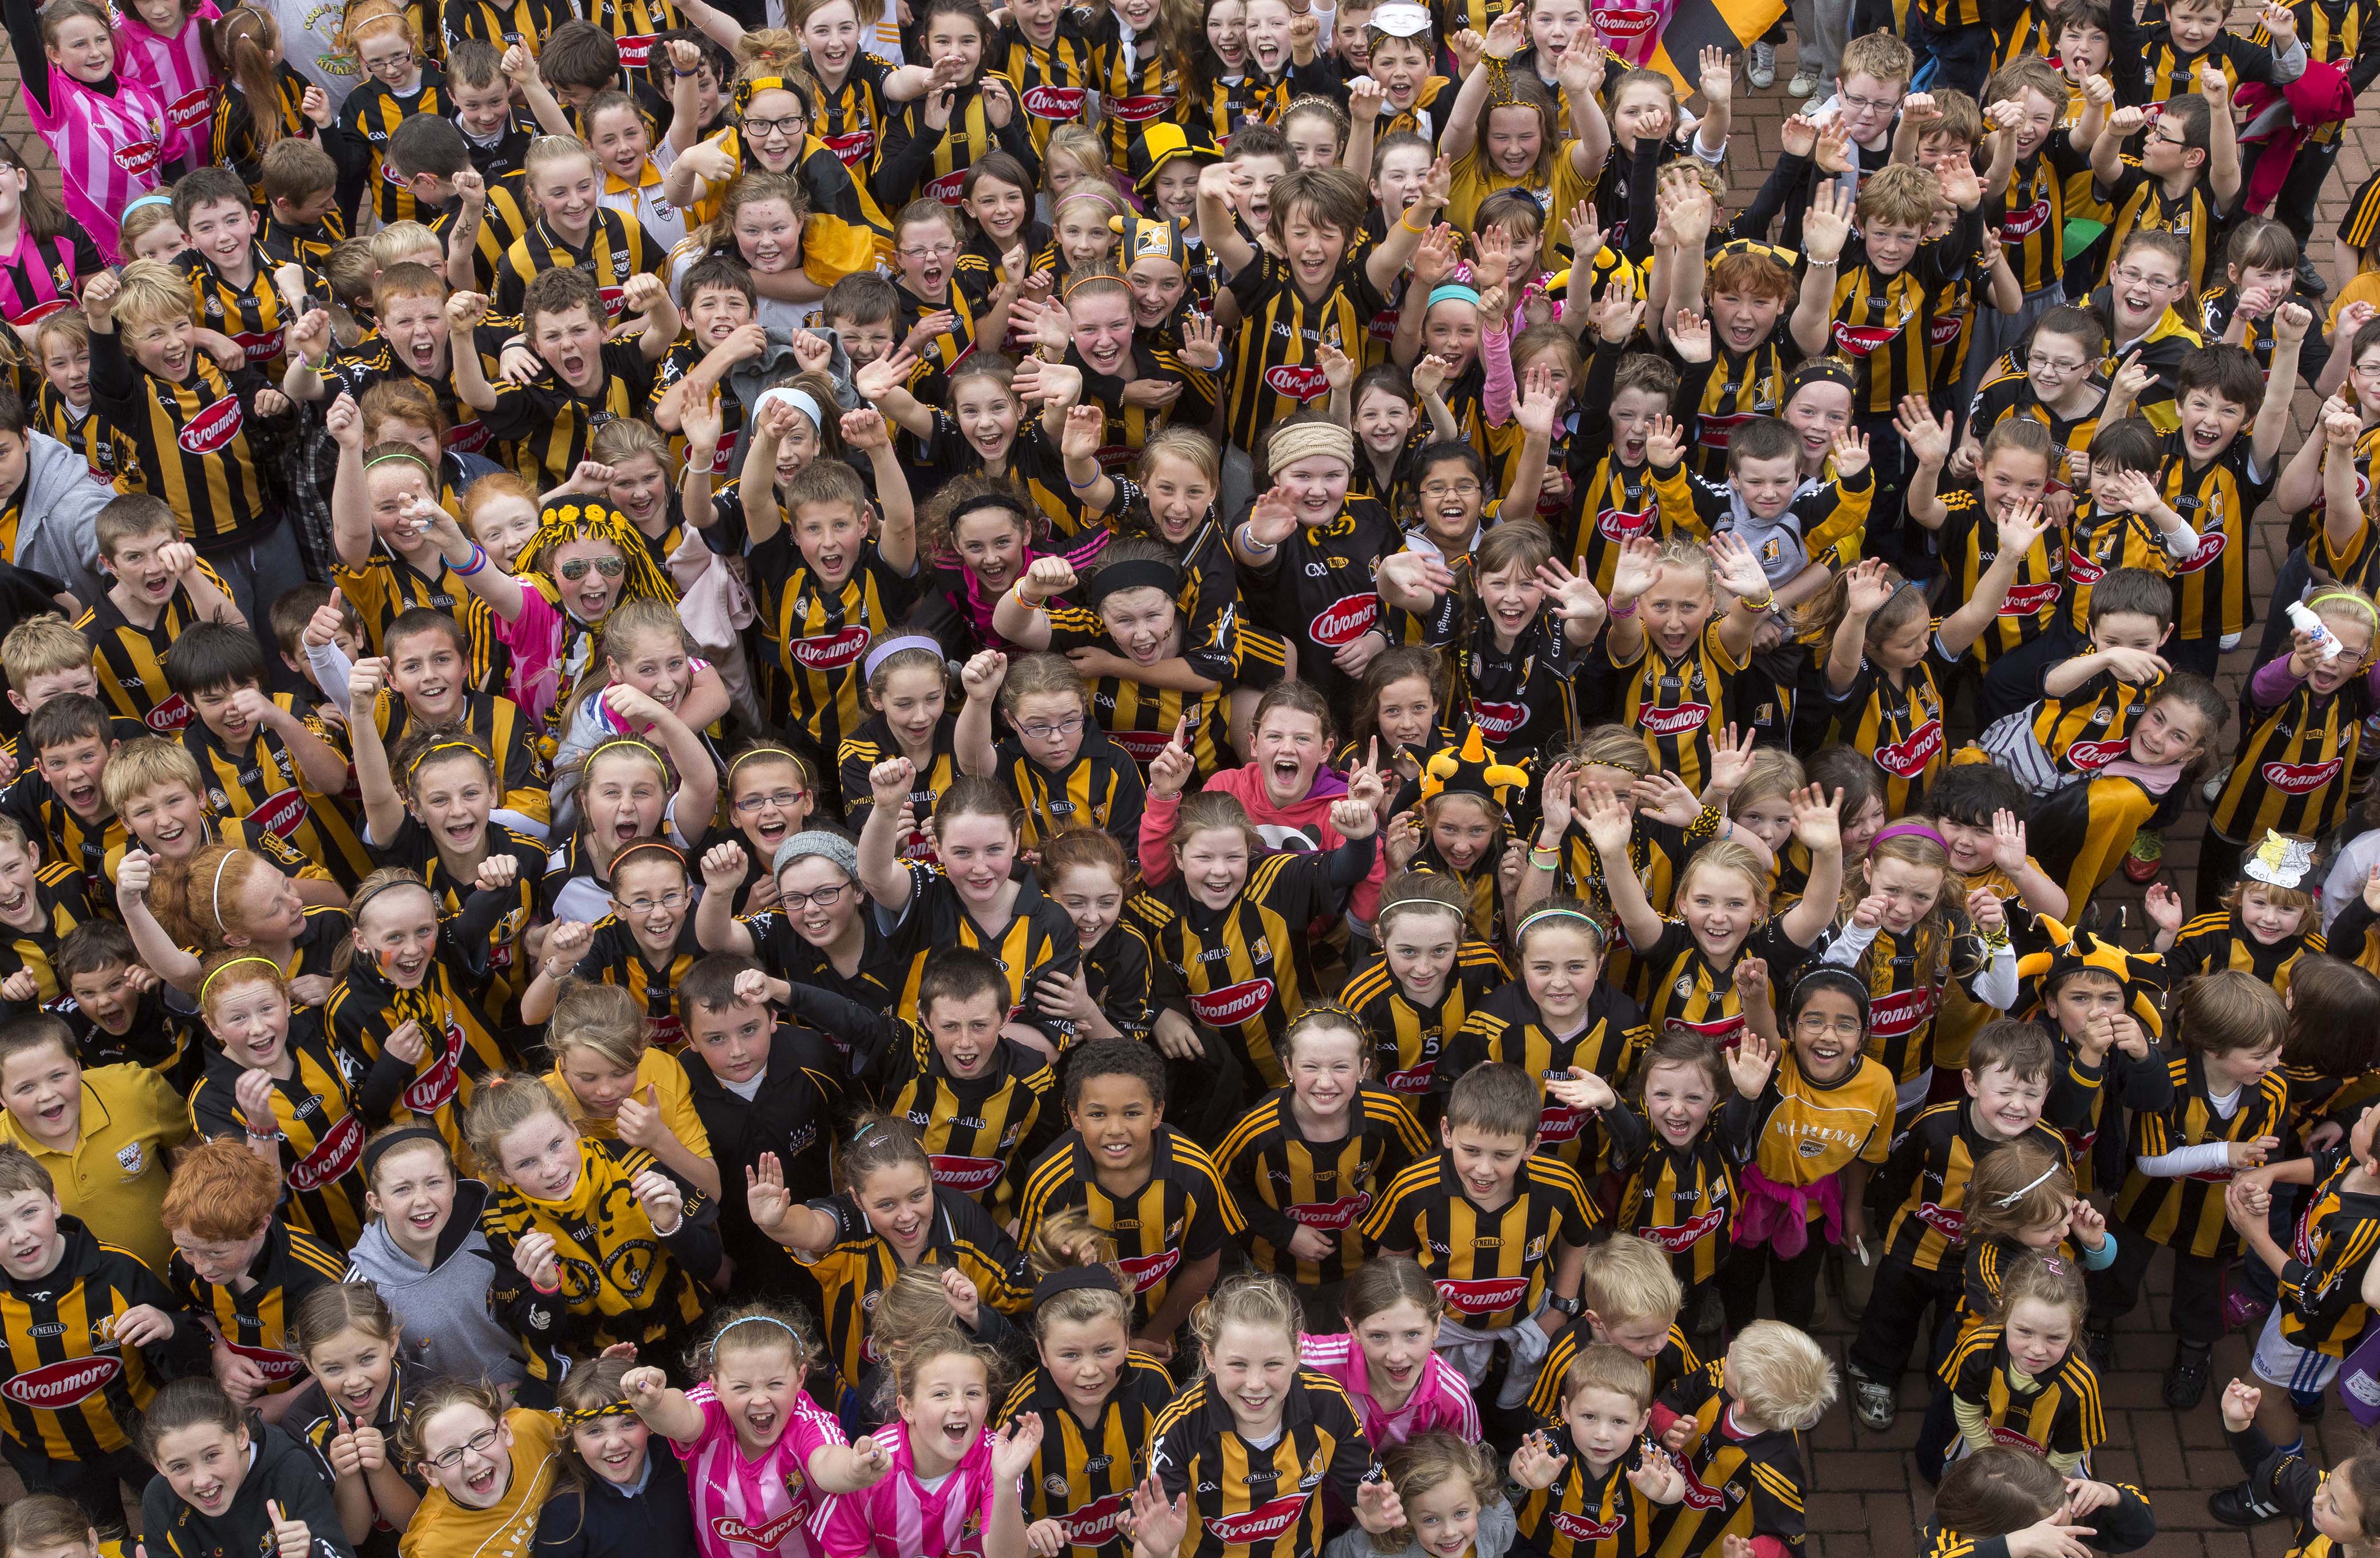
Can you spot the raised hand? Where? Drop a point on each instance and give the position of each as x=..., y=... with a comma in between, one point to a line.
x=890, y=782
x=1735, y=568
x=1171, y=771
x=1690, y=335
x=1537, y=1465
x=290, y=1538
x=1927, y=440
x=2164, y=908
x=765, y=1196
x=663, y=1203
x=1665, y=443
x=1730, y=761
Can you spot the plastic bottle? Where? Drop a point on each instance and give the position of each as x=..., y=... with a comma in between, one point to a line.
x=2301, y=617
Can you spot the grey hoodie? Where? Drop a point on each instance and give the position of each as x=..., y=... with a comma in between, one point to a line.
x=62, y=498
x=449, y=1328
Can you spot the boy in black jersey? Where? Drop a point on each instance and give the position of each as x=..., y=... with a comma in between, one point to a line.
x=118, y=1010
x=157, y=589
x=589, y=379
x=58, y=798
x=2184, y=180
x=1739, y=1423
x=243, y=1270
x=300, y=225
x=1596, y=1484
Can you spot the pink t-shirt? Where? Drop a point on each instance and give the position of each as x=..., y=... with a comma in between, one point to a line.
x=1442, y=1400
x=899, y=1517
x=754, y=1509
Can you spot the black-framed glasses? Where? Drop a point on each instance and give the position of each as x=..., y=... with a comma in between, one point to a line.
x=478, y=1443
x=822, y=898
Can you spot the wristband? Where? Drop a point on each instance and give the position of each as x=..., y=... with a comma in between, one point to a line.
x=1617, y=614
x=1018, y=591
x=477, y=563
x=541, y=1288
x=1763, y=604
x=1087, y=486
x=1405, y=220
x=1248, y=539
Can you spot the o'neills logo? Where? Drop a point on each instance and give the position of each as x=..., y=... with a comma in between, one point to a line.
x=946, y=188
x=1412, y=1083
x=140, y=159
x=1148, y=1271
x=1907, y=758
x=768, y=1535
x=1264, y=1523
x=831, y=651
x=1699, y=1496
x=341, y=1148
x=2210, y=547
x=1143, y=745
x=1904, y=1011
x=1304, y=380
x=1055, y=103
x=2299, y=778
x=1679, y=1237
x=852, y=148
x=191, y=109
x=2026, y=223
x=208, y=432
x=2025, y=600
x=1482, y=1295
x=1674, y=721
x=2083, y=569
x=1233, y=1004
x=1626, y=25
x=260, y=345
x=967, y=1176
x=1947, y=1221
x=1620, y=525
x=1332, y=1216
x=1859, y=340
x=636, y=53
x=171, y=715
x=1137, y=110
x=1097, y=1522
x=1345, y=619
x=1498, y=722
x=275, y=1366
x=2096, y=753
x=284, y=812
x=1578, y=1528
x=2010, y=1436
x=55, y=1386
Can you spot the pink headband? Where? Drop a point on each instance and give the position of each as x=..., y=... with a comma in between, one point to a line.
x=1918, y=828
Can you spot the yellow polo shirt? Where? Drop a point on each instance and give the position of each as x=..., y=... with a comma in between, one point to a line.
x=673, y=1094
x=115, y=1178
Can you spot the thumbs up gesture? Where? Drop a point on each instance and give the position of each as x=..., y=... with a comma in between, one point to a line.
x=290, y=1538
x=641, y=1118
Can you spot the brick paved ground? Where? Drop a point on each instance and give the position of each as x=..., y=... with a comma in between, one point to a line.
x=1866, y=1500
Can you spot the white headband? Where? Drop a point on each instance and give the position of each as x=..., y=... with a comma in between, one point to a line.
x=800, y=400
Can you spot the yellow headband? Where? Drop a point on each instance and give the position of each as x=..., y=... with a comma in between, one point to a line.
x=218, y=974
x=634, y=743
x=434, y=748
x=746, y=90
x=743, y=758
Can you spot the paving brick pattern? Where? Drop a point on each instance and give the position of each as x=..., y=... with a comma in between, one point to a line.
x=1865, y=1499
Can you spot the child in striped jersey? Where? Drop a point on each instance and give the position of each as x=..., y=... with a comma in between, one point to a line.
x=761, y=1455
x=1086, y=872
x=1452, y=1501
x=1739, y=1426
x=2335, y=1511
x=952, y=1484
x=2021, y=1377
x=2008, y=1501
x=2263, y=922
x=2023, y=1201
x=1430, y=976
x=1629, y=1295
x=1593, y=1480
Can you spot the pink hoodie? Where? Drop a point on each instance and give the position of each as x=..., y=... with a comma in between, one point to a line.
x=1310, y=817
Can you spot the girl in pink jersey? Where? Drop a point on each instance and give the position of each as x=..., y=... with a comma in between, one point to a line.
x=165, y=49
x=955, y=1489
x=1387, y=1359
x=106, y=130
x=758, y=1452
x=45, y=255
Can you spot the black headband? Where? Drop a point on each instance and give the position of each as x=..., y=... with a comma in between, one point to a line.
x=1140, y=573
x=1092, y=1279
x=379, y=1147
x=966, y=506
x=1819, y=370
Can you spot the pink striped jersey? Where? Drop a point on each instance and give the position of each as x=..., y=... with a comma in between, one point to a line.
x=1442, y=1400
x=754, y=1509
x=900, y=1518
x=40, y=276
x=108, y=148
x=176, y=69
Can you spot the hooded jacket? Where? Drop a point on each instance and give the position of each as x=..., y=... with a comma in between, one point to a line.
x=281, y=1471
x=62, y=500
x=449, y=1328
x=599, y=1519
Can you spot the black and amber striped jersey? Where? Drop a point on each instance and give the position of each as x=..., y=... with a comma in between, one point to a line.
x=940, y=352
x=1884, y=322
x=2142, y=205
x=1251, y=1500
x=2185, y=1211
x=2057, y=1414
x=504, y=218
x=1656, y=851
x=1409, y=1038
x=1317, y=590
x=850, y=117
x=71, y=1392
x=254, y=315
x=1680, y=704
x=386, y=586
x=1053, y=80
x=615, y=956
x=190, y=440
x=2033, y=211
x=58, y=905
x=1038, y=941
x=2007, y=392
x=1673, y=1362
x=2086, y=730
x=1491, y=1265
x=369, y=118
x=1283, y=1180
x=1507, y=1028
x=252, y=1313
x=503, y=22
x=1924, y=1181
x=129, y=661
x=503, y=725
x=89, y=433
x=1083, y=1478
x=1683, y=1197
x=235, y=142
x=2296, y=764
x=1102, y=788
x=458, y=1048
x=1896, y=718
x=1726, y=392
x=1588, y=1513
x=1738, y=1484
x=979, y=1132
x=263, y=783
x=1968, y=540
x=1180, y=1213
x=1241, y=970
x=2223, y=941
x=1685, y=989
x=617, y=247
x=853, y=1272
x=1138, y=716
x=2322, y=1305
x=549, y=425
x=1279, y=371
x=816, y=633
x=873, y=743
x=308, y=247
x=1907, y=974
x=1136, y=81
x=315, y=1115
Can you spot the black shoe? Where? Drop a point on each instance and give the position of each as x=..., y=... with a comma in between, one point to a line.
x=2236, y=1506
x=2101, y=1345
x=2185, y=1380
x=2310, y=282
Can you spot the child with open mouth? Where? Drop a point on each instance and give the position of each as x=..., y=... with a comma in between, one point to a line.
x=490, y=1468
x=1056, y=749
x=644, y=946
x=351, y=1408
x=424, y=1250
x=1430, y=977
x=908, y=686
x=232, y=1482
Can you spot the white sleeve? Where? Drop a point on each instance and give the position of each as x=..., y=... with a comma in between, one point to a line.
x=2186, y=1160
x=1997, y=985
x=1844, y=948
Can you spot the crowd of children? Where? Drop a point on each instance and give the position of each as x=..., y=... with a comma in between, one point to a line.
x=1080, y=781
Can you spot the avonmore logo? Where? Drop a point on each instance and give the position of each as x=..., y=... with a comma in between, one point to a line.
x=55, y=1386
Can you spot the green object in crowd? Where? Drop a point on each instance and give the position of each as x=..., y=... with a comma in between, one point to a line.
x=2081, y=233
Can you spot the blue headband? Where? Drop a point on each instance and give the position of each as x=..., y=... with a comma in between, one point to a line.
x=158, y=199
x=1454, y=292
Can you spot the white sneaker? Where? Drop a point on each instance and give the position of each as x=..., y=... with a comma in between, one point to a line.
x=1804, y=83
x=1762, y=71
